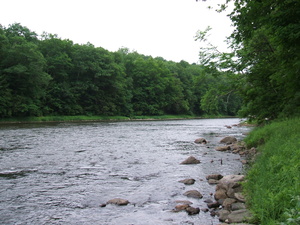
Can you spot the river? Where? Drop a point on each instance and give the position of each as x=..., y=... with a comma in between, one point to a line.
x=60, y=173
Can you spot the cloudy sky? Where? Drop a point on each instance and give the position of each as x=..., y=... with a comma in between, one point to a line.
x=164, y=28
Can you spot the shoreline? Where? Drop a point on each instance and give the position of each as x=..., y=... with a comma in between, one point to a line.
x=77, y=119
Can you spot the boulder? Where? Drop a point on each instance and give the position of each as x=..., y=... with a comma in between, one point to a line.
x=240, y=197
x=227, y=203
x=223, y=215
x=214, y=205
x=212, y=181
x=228, y=140
x=193, y=194
x=200, y=141
x=229, y=185
x=222, y=148
x=214, y=177
x=192, y=211
x=239, y=216
x=237, y=206
x=220, y=194
x=188, y=181
x=181, y=207
x=191, y=160
x=230, y=180
x=118, y=201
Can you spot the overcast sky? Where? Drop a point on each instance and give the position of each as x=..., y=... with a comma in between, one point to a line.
x=164, y=28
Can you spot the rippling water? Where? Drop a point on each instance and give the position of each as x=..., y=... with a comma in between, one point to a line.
x=60, y=173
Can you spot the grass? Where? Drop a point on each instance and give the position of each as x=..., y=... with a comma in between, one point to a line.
x=273, y=181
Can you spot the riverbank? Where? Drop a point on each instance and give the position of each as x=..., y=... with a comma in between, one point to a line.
x=273, y=181
x=83, y=118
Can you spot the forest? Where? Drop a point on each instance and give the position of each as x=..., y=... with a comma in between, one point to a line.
x=46, y=75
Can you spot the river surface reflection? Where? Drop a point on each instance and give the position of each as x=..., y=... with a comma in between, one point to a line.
x=60, y=173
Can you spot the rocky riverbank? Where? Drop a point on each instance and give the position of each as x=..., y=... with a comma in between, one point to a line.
x=227, y=202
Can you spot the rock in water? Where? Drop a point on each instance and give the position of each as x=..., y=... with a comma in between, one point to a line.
x=193, y=194
x=222, y=148
x=192, y=211
x=188, y=181
x=200, y=141
x=191, y=160
x=118, y=201
x=214, y=177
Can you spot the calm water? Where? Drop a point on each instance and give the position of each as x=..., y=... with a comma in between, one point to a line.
x=61, y=173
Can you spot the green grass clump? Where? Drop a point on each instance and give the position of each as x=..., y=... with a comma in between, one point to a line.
x=273, y=181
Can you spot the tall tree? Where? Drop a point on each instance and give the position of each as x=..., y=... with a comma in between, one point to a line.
x=267, y=40
x=22, y=71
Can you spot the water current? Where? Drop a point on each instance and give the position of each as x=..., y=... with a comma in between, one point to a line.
x=60, y=173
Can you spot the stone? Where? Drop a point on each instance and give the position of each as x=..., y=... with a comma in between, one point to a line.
x=186, y=202
x=223, y=215
x=237, y=206
x=222, y=148
x=228, y=140
x=191, y=160
x=192, y=211
x=193, y=194
x=214, y=177
x=229, y=180
x=181, y=207
x=118, y=201
x=212, y=181
x=244, y=161
x=214, y=205
x=239, y=216
x=233, y=188
x=220, y=194
x=200, y=141
x=240, y=197
x=227, y=203
x=230, y=184
x=188, y=181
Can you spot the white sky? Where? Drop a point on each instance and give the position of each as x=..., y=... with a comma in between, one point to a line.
x=164, y=28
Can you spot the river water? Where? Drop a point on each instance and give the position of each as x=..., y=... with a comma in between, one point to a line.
x=60, y=173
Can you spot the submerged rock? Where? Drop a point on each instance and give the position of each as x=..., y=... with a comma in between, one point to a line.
x=118, y=201
x=188, y=181
x=191, y=160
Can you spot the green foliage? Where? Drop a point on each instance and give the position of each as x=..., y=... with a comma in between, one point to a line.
x=55, y=77
x=273, y=182
x=267, y=44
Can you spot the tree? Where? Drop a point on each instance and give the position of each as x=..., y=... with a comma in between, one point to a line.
x=22, y=71
x=267, y=40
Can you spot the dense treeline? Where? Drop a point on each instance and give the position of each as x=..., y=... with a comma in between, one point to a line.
x=46, y=75
x=267, y=44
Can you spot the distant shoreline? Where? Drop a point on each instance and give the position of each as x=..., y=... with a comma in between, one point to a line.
x=76, y=119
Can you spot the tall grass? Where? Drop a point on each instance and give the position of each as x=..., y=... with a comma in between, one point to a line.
x=273, y=181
